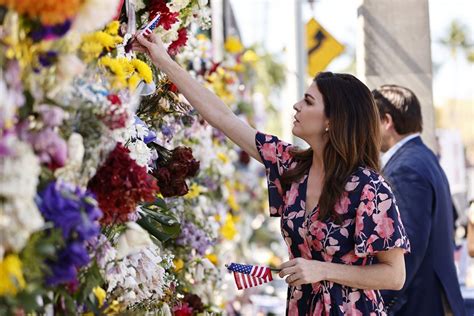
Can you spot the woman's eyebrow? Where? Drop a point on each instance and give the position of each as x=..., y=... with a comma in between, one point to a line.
x=307, y=95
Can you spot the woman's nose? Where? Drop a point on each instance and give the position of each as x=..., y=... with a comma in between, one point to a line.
x=295, y=107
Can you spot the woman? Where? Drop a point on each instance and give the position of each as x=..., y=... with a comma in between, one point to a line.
x=338, y=216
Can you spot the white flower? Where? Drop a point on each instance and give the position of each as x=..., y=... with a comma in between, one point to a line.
x=165, y=310
x=18, y=180
x=177, y=5
x=137, y=277
x=168, y=36
x=19, y=218
x=95, y=14
x=140, y=152
x=19, y=172
x=133, y=240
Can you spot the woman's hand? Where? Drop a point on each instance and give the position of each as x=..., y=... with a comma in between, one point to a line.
x=302, y=271
x=153, y=46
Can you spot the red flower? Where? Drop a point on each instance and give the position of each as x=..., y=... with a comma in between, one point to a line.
x=182, y=310
x=244, y=157
x=172, y=176
x=120, y=184
x=167, y=18
x=115, y=116
x=114, y=99
x=179, y=42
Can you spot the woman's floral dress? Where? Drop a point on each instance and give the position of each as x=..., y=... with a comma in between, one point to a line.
x=370, y=223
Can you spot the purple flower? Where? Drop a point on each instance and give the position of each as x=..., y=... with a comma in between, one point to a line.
x=47, y=59
x=51, y=115
x=71, y=209
x=150, y=136
x=194, y=237
x=74, y=211
x=50, y=147
x=50, y=32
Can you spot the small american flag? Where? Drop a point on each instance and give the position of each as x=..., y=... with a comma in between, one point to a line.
x=246, y=275
x=151, y=26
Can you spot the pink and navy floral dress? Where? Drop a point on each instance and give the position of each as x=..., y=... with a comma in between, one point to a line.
x=370, y=223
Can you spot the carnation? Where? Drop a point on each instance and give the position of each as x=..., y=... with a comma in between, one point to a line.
x=120, y=184
x=167, y=18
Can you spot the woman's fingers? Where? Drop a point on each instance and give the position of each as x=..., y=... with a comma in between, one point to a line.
x=144, y=41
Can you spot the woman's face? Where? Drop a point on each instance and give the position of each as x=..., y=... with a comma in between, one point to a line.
x=310, y=121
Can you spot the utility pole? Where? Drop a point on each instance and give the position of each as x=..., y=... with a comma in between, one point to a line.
x=394, y=47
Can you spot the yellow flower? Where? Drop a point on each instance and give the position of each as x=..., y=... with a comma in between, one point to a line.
x=228, y=230
x=238, y=68
x=91, y=49
x=100, y=294
x=223, y=157
x=233, y=202
x=49, y=12
x=143, y=70
x=212, y=258
x=194, y=191
x=201, y=37
x=11, y=276
x=106, y=40
x=178, y=264
x=127, y=66
x=114, y=308
x=113, y=27
x=133, y=81
x=233, y=45
x=117, y=70
x=250, y=56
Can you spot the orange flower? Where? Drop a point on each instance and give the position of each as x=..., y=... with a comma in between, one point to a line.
x=49, y=12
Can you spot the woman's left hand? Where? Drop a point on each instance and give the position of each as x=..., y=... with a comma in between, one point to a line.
x=302, y=271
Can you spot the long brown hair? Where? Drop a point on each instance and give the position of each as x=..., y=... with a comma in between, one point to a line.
x=353, y=138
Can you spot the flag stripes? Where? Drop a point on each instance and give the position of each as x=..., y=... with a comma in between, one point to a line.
x=246, y=276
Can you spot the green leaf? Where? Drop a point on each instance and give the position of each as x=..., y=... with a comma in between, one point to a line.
x=158, y=230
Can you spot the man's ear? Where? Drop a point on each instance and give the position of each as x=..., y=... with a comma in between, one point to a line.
x=387, y=121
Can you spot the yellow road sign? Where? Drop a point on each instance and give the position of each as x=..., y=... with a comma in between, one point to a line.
x=321, y=47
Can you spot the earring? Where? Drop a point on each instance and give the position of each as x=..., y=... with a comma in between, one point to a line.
x=327, y=129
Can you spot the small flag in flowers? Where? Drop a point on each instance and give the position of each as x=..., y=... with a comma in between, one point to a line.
x=151, y=26
x=246, y=275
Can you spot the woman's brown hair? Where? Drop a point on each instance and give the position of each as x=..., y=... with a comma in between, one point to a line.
x=353, y=138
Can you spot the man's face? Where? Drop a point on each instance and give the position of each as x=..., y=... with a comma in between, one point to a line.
x=385, y=123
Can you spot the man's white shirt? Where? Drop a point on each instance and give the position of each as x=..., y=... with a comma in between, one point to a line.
x=389, y=153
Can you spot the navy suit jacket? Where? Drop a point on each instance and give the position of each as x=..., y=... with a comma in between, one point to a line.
x=422, y=193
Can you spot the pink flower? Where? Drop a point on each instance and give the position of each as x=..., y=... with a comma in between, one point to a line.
x=350, y=257
x=371, y=295
x=367, y=193
x=384, y=226
x=318, y=229
x=268, y=152
x=342, y=207
x=292, y=194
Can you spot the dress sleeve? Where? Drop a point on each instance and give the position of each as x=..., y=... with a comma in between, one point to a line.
x=277, y=159
x=378, y=223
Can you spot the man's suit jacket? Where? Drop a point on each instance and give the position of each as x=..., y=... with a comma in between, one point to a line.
x=422, y=193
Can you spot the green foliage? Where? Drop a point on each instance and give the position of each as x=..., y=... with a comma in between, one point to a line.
x=159, y=221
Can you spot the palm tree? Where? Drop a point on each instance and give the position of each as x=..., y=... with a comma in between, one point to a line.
x=457, y=39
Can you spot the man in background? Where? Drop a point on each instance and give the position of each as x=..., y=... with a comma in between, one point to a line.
x=424, y=200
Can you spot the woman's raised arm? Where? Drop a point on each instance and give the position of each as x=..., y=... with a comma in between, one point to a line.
x=212, y=109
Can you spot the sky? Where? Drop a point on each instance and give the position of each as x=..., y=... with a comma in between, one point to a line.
x=263, y=21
